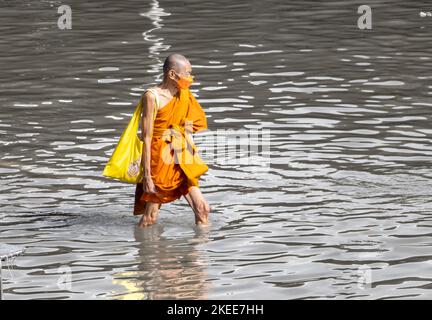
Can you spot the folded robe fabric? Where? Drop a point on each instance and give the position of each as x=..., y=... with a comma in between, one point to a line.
x=174, y=157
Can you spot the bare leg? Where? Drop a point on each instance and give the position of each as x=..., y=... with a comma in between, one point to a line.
x=150, y=214
x=199, y=205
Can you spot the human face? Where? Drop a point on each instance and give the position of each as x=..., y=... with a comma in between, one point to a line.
x=185, y=71
x=183, y=78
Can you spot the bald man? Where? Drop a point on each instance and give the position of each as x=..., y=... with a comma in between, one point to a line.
x=150, y=194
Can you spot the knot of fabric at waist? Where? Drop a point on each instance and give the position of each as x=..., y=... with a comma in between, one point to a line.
x=174, y=130
x=186, y=153
x=175, y=135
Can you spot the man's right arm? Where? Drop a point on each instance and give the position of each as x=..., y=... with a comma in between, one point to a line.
x=149, y=108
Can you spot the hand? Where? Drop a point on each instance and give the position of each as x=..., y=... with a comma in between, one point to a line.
x=149, y=186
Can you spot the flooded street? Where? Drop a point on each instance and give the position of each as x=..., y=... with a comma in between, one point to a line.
x=343, y=211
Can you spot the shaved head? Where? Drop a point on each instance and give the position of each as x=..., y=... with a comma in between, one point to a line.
x=175, y=61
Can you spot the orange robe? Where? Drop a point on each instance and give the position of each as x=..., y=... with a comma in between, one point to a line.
x=169, y=179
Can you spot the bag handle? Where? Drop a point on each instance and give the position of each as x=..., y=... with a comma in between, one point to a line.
x=156, y=99
x=139, y=109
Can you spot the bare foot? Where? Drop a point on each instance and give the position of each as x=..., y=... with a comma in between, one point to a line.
x=201, y=220
x=146, y=221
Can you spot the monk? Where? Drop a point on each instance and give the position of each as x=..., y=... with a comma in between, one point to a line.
x=164, y=181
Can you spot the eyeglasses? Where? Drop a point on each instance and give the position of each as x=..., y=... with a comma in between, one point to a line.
x=187, y=74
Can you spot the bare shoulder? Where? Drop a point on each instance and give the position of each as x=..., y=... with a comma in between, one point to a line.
x=148, y=100
x=149, y=95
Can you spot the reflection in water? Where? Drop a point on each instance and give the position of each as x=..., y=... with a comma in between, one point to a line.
x=166, y=268
x=155, y=14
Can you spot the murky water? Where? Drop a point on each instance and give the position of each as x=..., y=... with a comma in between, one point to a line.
x=344, y=210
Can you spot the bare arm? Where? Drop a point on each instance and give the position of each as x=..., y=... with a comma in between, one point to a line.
x=149, y=108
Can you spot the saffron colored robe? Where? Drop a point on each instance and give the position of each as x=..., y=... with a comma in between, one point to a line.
x=169, y=179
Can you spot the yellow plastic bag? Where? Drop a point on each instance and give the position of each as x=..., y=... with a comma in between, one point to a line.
x=125, y=162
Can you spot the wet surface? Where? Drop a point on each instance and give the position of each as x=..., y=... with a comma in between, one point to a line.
x=343, y=211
